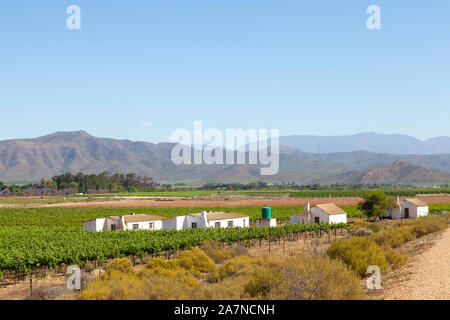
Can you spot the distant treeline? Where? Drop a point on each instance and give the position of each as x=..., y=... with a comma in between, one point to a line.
x=69, y=183
x=106, y=182
x=312, y=187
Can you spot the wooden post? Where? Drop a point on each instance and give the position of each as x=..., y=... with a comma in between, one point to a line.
x=31, y=284
x=269, y=239
x=260, y=237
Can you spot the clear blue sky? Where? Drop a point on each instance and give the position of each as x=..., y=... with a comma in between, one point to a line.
x=305, y=67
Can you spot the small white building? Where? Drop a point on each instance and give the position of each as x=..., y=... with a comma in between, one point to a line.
x=127, y=222
x=207, y=219
x=321, y=213
x=272, y=222
x=409, y=209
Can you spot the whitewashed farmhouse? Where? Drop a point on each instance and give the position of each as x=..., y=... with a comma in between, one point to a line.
x=127, y=222
x=321, y=213
x=207, y=219
x=409, y=209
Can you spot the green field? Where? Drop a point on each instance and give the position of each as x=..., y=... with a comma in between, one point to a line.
x=35, y=237
x=73, y=217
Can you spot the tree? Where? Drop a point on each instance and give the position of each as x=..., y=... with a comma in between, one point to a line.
x=375, y=204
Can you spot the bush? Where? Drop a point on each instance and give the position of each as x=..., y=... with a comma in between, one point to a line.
x=120, y=265
x=233, y=267
x=196, y=261
x=214, y=250
x=429, y=224
x=160, y=263
x=395, y=259
x=358, y=253
x=395, y=237
x=305, y=278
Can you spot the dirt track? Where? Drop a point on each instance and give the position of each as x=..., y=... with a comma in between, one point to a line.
x=205, y=201
x=428, y=275
x=230, y=201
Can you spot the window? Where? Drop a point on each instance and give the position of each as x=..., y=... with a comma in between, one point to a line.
x=151, y=225
x=194, y=225
x=316, y=219
x=230, y=224
x=113, y=227
x=217, y=224
x=135, y=226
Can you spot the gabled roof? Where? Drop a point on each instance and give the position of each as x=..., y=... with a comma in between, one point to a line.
x=214, y=216
x=417, y=202
x=330, y=209
x=139, y=218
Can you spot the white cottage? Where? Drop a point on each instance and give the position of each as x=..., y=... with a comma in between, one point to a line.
x=127, y=222
x=207, y=219
x=409, y=209
x=321, y=213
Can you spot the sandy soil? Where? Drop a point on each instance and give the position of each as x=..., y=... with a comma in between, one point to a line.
x=42, y=289
x=164, y=203
x=427, y=275
x=204, y=201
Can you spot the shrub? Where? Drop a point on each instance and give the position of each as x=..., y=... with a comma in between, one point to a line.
x=160, y=263
x=395, y=237
x=120, y=265
x=196, y=261
x=233, y=267
x=306, y=278
x=217, y=252
x=395, y=259
x=429, y=224
x=358, y=253
x=263, y=282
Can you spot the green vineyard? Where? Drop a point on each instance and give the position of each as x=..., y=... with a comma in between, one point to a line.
x=74, y=217
x=359, y=192
x=37, y=237
x=27, y=248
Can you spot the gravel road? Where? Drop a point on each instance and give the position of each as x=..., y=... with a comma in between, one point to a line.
x=428, y=275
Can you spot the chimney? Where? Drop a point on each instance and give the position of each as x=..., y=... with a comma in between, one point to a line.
x=398, y=200
x=204, y=218
x=122, y=222
x=307, y=207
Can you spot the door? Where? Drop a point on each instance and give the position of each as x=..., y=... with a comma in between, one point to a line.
x=406, y=213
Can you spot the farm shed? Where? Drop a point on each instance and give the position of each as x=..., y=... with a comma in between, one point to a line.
x=207, y=219
x=127, y=222
x=321, y=213
x=304, y=217
x=266, y=218
x=409, y=209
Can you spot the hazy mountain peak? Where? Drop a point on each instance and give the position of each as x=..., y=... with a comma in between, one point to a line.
x=368, y=141
x=64, y=136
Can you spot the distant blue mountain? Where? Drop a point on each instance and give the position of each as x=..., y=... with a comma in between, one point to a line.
x=369, y=141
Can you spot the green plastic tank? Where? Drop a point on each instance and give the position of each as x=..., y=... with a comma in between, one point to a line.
x=266, y=213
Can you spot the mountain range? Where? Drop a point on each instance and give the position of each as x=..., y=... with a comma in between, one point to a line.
x=369, y=141
x=44, y=157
